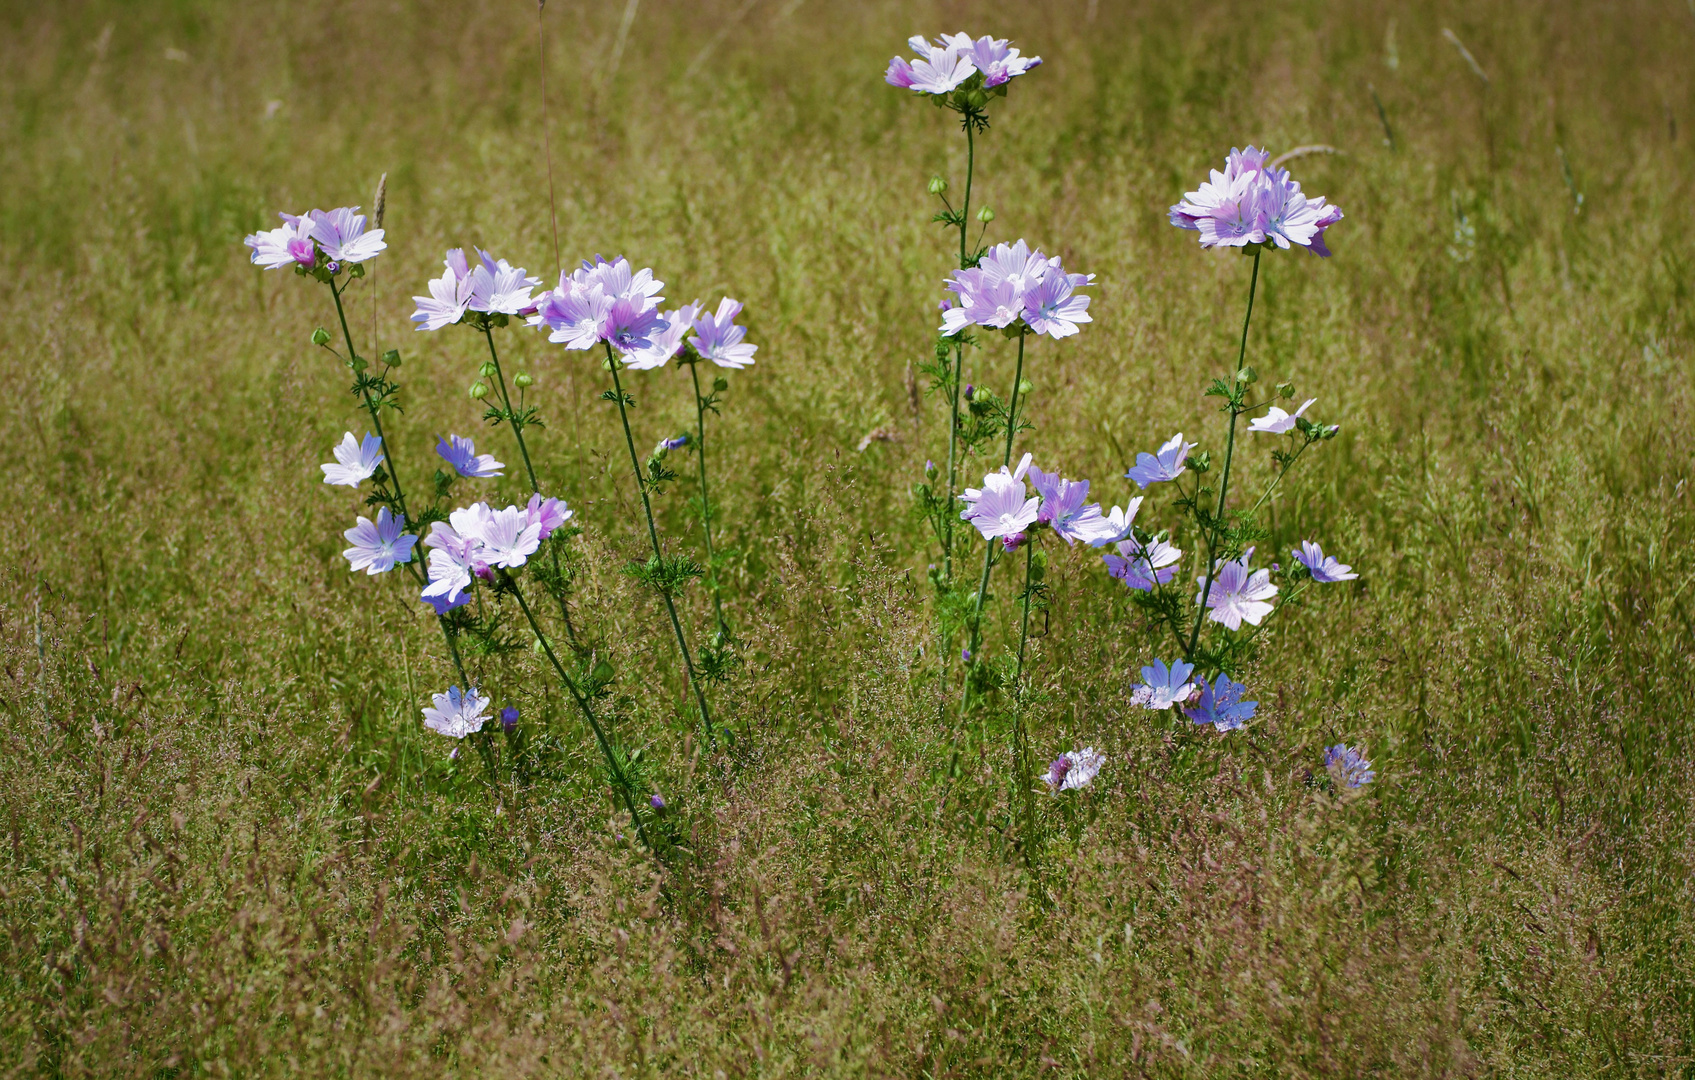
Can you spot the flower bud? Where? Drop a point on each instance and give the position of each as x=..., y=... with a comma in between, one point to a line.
x=930, y=470
x=478, y=391
x=937, y=185
x=320, y=336
x=720, y=384
x=1285, y=390
x=333, y=267
x=969, y=391
x=509, y=718
x=657, y=801
x=523, y=380
x=1247, y=375
x=392, y=357
x=1025, y=386
x=487, y=369
x=1330, y=432
x=985, y=215
x=358, y=363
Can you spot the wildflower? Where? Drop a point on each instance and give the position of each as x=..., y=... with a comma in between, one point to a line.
x=457, y=556
x=1051, y=308
x=937, y=70
x=1252, y=202
x=356, y=462
x=676, y=442
x=1116, y=524
x=1221, y=705
x=456, y=714
x=1000, y=507
x=1325, y=569
x=1238, y=594
x=509, y=718
x=288, y=245
x=1010, y=544
x=1348, y=765
x=630, y=327
x=1276, y=421
x=983, y=301
x=341, y=233
x=547, y=515
x=509, y=538
x=1166, y=465
x=1014, y=263
x=667, y=342
x=1162, y=687
x=1065, y=512
x=450, y=294
x=1143, y=566
x=1074, y=770
x=442, y=605
x=461, y=453
x=498, y=287
x=718, y=339
x=997, y=61
x=657, y=801
x=378, y=546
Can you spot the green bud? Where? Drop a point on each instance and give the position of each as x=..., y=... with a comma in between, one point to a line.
x=487, y=369
x=1247, y=375
x=523, y=380
x=1330, y=432
x=320, y=336
x=720, y=384
x=1038, y=564
x=985, y=215
x=937, y=185
x=359, y=364
x=392, y=358
x=478, y=391
x=1285, y=390
x=1024, y=387
x=1200, y=462
x=977, y=98
x=356, y=270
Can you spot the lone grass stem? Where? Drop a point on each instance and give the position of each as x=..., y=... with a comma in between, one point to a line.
x=1224, y=477
x=535, y=486
x=705, y=501
x=989, y=554
x=658, y=555
x=619, y=779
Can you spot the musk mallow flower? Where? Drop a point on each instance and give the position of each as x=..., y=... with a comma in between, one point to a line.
x=509, y=718
x=289, y=244
x=1073, y=770
x=1064, y=510
x=717, y=338
x=1052, y=307
x=1239, y=594
x=378, y=546
x=1163, y=466
x=665, y=344
x=341, y=233
x=1116, y=524
x=457, y=714
x=1162, y=687
x=572, y=314
x=1144, y=566
x=450, y=294
x=547, y=515
x=1276, y=421
x=509, y=537
x=996, y=59
x=1253, y=202
x=1324, y=568
x=1349, y=765
x=457, y=555
x=355, y=460
x=938, y=69
x=461, y=453
x=617, y=279
x=999, y=508
x=1221, y=705
x=499, y=288
x=630, y=326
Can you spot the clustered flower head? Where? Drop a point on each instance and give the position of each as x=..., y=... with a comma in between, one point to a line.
x=339, y=234
x=1253, y=202
x=1348, y=765
x=1013, y=284
x=1239, y=593
x=1074, y=770
x=1003, y=509
x=492, y=287
x=457, y=714
x=476, y=540
x=603, y=301
x=1220, y=704
x=1324, y=568
x=949, y=62
x=355, y=460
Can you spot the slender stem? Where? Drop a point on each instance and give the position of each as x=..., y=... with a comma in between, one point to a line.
x=705, y=500
x=1279, y=477
x=1224, y=479
x=1012, y=410
x=958, y=370
x=1024, y=627
x=1020, y=733
x=653, y=536
x=535, y=486
x=988, y=556
x=620, y=780
x=965, y=207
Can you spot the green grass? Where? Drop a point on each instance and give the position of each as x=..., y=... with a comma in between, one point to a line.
x=230, y=848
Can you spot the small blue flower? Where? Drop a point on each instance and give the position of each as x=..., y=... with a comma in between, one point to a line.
x=1350, y=766
x=509, y=717
x=1221, y=705
x=657, y=801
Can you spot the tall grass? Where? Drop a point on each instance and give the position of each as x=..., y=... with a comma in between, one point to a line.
x=229, y=847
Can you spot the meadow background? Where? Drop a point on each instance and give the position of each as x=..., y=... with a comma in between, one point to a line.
x=230, y=848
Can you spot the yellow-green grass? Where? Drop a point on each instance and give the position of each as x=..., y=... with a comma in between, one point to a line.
x=230, y=847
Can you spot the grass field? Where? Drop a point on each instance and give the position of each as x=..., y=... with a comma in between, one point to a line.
x=231, y=848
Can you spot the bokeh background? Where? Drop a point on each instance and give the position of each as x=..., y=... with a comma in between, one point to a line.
x=231, y=849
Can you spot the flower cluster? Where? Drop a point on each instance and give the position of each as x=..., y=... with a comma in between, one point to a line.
x=476, y=540
x=338, y=235
x=1013, y=287
x=1255, y=202
x=1003, y=508
x=492, y=287
x=946, y=64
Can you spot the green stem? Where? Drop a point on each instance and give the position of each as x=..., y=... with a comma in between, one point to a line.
x=1279, y=477
x=658, y=556
x=1024, y=627
x=958, y=369
x=1224, y=479
x=705, y=501
x=620, y=780
x=535, y=486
